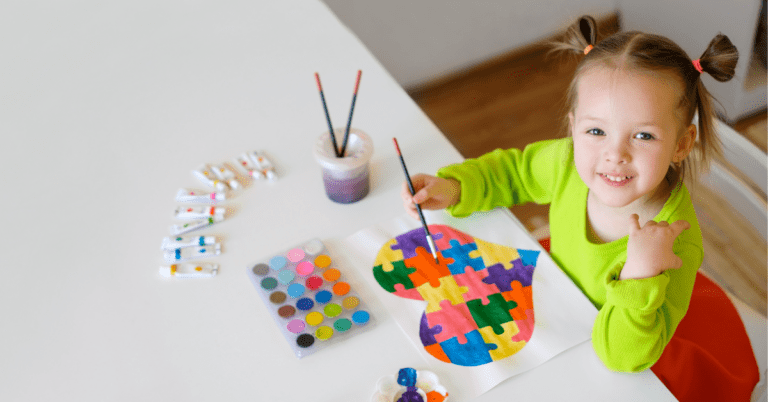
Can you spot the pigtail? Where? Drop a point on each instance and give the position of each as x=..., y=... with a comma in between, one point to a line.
x=720, y=58
x=578, y=37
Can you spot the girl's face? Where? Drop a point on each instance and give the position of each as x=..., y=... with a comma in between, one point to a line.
x=625, y=134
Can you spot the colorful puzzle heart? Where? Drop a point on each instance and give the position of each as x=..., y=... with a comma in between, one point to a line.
x=479, y=294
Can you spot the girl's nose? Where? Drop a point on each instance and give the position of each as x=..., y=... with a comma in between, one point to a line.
x=617, y=152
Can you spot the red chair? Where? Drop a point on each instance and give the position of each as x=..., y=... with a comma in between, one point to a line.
x=710, y=357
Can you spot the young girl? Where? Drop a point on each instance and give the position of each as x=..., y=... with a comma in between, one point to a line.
x=621, y=220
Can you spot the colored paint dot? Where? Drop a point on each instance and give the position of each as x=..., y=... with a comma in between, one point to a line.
x=296, y=326
x=341, y=288
x=324, y=333
x=198, y=269
x=277, y=297
x=285, y=276
x=179, y=238
x=314, y=282
x=305, y=340
x=296, y=290
x=313, y=247
x=332, y=274
x=261, y=269
x=332, y=310
x=286, y=311
x=361, y=317
x=189, y=209
x=295, y=255
x=269, y=283
x=314, y=318
x=305, y=304
x=342, y=325
x=323, y=296
x=305, y=268
x=278, y=262
x=322, y=261
x=350, y=302
x=202, y=250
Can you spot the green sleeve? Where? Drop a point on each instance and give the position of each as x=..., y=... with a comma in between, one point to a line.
x=640, y=316
x=506, y=177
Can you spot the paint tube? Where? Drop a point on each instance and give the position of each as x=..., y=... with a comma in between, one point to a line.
x=245, y=162
x=264, y=165
x=191, y=253
x=202, y=270
x=170, y=243
x=191, y=226
x=207, y=177
x=185, y=195
x=225, y=174
x=200, y=212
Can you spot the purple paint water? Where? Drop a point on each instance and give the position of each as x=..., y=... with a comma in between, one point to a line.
x=348, y=187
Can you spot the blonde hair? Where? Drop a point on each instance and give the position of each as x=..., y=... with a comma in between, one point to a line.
x=644, y=52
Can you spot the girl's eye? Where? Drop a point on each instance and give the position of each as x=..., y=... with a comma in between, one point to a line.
x=644, y=136
x=595, y=131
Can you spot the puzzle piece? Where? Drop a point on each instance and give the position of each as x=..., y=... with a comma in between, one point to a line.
x=522, y=272
x=448, y=289
x=464, y=255
x=493, y=253
x=529, y=257
x=448, y=233
x=453, y=320
x=427, y=270
x=387, y=255
x=492, y=314
x=506, y=346
x=523, y=296
x=499, y=276
x=473, y=353
x=427, y=333
x=502, y=277
x=399, y=274
x=476, y=288
x=401, y=291
x=437, y=351
x=410, y=241
x=525, y=327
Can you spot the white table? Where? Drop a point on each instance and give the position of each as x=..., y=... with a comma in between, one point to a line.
x=105, y=110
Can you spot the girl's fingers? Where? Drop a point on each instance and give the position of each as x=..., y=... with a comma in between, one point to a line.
x=634, y=223
x=679, y=226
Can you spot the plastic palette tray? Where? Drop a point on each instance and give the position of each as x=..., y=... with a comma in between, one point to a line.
x=312, y=304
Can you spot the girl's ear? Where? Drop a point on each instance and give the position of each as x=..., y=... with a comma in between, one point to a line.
x=570, y=125
x=685, y=144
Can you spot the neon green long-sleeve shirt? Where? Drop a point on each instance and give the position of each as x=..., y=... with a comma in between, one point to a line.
x=637, y=317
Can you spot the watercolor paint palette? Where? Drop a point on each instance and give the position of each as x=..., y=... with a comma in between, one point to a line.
x=312, y=304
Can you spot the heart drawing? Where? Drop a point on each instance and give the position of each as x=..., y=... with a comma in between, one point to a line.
x=479, y=294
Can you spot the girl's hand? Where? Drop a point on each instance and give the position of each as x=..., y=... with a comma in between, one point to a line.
x=649, y=249
x=431, y=193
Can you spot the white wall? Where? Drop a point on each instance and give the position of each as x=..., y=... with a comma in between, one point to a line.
x=421, y=40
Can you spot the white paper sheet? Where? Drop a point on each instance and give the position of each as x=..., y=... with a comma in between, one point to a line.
x=563, y=315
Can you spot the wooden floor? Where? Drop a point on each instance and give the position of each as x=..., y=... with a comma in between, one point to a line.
x=517, y=99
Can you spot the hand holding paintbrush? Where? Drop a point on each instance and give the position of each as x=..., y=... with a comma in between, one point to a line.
x=412, y=191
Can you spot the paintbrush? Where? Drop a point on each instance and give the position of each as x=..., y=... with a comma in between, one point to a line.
x=430, y=240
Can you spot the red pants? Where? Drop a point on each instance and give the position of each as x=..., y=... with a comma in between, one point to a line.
x=710, y=357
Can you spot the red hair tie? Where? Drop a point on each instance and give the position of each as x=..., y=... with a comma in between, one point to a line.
x=697, y=65
x=587, y=49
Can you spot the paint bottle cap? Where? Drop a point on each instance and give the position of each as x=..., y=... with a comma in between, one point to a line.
x=165, y=270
